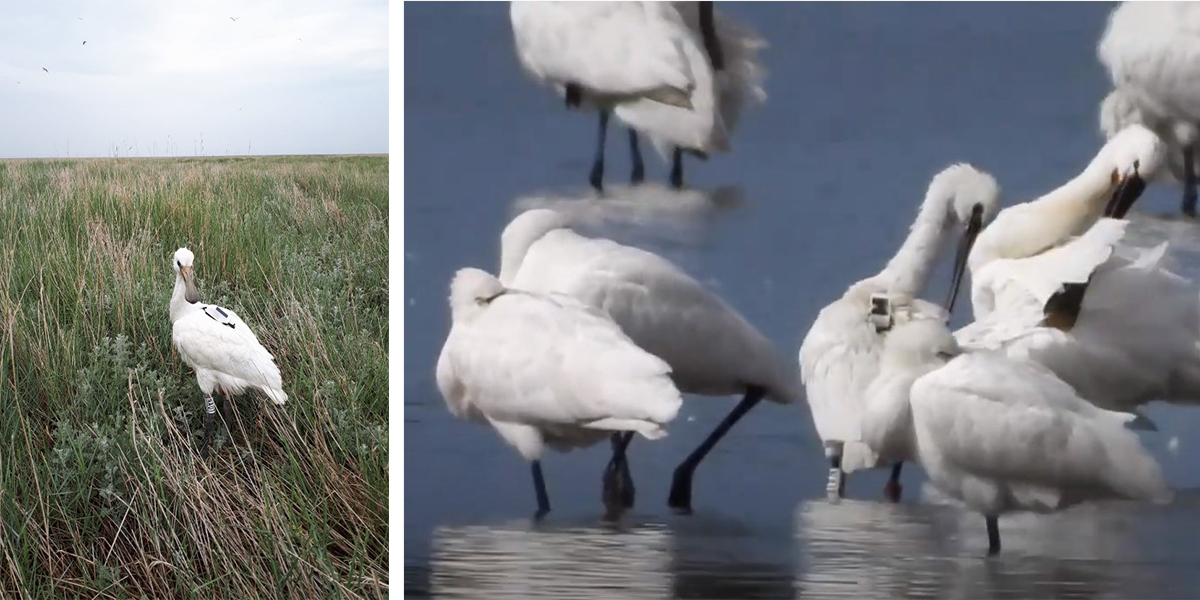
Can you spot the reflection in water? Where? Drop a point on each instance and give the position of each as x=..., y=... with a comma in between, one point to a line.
x=669, y=215
x=877, y=550
x=693, y=558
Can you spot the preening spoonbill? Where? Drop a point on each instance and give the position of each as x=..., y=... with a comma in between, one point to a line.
x=650, y=63
x=1121, y=330
x=1001, y=435
x=840, y=353
x=547, y=371
x=1121, y=108
x=1152, y=53
x=712, y=350
x=225, y=354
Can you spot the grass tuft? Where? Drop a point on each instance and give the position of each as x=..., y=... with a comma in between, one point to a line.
x=101, y=491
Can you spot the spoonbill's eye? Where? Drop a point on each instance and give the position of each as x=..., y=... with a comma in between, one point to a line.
x=944, y=355
x=179, y=264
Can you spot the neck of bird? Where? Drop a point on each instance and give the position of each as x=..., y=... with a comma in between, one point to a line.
x=514, y=246
x=908, y=271
x=179, y=305
x=1076, y=204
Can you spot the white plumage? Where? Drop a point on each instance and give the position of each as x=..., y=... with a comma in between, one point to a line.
x=219, y=346
x=1152, y=53
x=547, y=371
x=711, y=348
x=1136, y=337
x=1001, y=435
x=840, y=353
x=647, y=62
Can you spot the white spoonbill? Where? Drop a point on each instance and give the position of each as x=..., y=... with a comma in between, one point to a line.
x=646, y=62
x=547, y=371
x=1121, y=331
x=712, y=350
x=1152, y=53
x=1121, y=108
x=218, y=346
x=1001, y=435
x=840, y=353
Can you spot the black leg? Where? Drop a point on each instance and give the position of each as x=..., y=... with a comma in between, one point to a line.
x=681, y=484
x=892, y=488
x=993, y=529
x=227, y=415
x=1189, y=182
x=539, y=487
x=639, y=169
x=598, y=164
x=677, y=169
x=618, y=492
x=836, y=487
x=210, y=410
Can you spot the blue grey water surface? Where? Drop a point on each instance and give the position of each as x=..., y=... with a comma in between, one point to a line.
x=866, y=103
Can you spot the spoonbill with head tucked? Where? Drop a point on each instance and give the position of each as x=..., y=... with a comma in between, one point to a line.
x=840, y=353
x=1001, y=435
x=1121, y=109
x=547, y=371
x=226, y=356
x=1152, y=53
x=712, y=350
x=653, y=64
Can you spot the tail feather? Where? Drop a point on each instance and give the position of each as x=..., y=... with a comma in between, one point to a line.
x=276, y=395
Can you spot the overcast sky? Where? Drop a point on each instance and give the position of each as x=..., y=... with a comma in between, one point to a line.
x=287, y=77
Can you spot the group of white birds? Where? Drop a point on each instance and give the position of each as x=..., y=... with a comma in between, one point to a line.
x=1028, y=407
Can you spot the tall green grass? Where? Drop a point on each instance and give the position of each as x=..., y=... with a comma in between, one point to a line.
x=102, y=493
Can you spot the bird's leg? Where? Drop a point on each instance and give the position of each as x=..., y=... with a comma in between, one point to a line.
x=677, y=169
x=1189, y=182
x=680, y=498
x=210, y=410
x=598, y=164
x=539, y=487
x=639, y=169
x=618, y=492
x=993, y=529
x=226, y=417
x=836, y=487
x=892, y=489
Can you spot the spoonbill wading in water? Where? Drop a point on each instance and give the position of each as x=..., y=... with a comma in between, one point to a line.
x=840, y=353
x=677, y=72
x=998, y=434
x=712, y=350
x=1152, y=53
x=547, y=371
x=218, y=346
x=1121, y=330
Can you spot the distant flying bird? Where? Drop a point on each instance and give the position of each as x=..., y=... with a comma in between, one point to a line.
x=45, y=69
x=84, y=42
x=234, y=18
x=299, y=39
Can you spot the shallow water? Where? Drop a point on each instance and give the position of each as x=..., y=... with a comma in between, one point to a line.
x=866, y=103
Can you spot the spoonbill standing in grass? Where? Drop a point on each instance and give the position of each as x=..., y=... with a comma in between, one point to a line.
x=1152, y=53
x=1001, y=435
x=712, y=350
x=547, y=371
x=840, y=353
x=218, y=346
x=661, y=67
x=1121, y=330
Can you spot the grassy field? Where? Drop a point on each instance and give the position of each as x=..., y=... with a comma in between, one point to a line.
x=102, y=493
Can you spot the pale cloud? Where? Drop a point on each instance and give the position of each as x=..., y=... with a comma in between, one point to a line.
x=286, y=77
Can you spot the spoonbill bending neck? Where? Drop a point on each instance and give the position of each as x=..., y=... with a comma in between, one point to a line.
x=712, y=350
x=218, y=345
x=840, y=354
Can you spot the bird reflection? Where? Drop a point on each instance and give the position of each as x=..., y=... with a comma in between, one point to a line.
x=879, y=550
x=658, y=213
x=695, y=557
